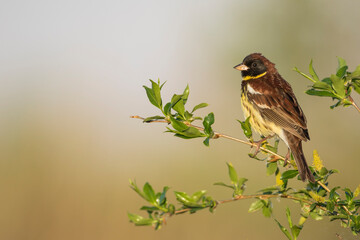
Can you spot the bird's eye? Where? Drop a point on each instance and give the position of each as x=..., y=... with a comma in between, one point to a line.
x=254, y=64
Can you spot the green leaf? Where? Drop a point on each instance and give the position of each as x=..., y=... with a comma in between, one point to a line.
x=201, y=105
x=180, y=135
x=356, y=73
x=333, y=195
x=323, y=171
x=161, y=84
x=288, y=215
x=356, y=85
x=151, y=96
x=179, y=107
x=178, y=125
x=149, y=193
x=239, y=187
x=175, y=98
x=156, y=90
x=320, y=93
x=342, y=62
x=224, y=185
x=188, y=116
x=186, y=94
x=289, y=174
x=171, y=209
x=232, y=174
x=338, y=85
x=336, y=105
x=330, y=206
x=242, y=181
x=136, y=189
x=150, y=119
x=140, y=221
x=348, y=193
x=162, y=198
x=208, y=121
x=246, y=126
x=341, y=72
x=167, y=108
x=183, y=198
x=198, y=195
x=312, y=72
x=284, y=230
x=189, y=133
x=295, y=231
x=207, y=141
x=255, y=206
x=271, y=168
x=267, y=210
x=303, y=74
x=187, y=201
x=177, y=103
x=192, y=133
x=149, y=209
x=327, y=81
x=322, y=86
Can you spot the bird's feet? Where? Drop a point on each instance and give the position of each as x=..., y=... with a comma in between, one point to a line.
x=287, y=158
x=258, y=145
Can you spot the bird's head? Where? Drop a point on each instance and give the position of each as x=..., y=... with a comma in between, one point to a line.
x=255, y=65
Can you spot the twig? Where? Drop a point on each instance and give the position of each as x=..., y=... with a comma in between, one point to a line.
x=260, y=196
x=217, y=135
x=353, y=103
x=264, y=196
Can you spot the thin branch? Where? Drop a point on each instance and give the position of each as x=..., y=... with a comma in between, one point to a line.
x=353, y=103
x=217, y=135
x=260, y=196
x=264, y=196
x=323, y=186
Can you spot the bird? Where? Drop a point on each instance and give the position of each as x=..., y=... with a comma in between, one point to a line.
x=270, y=102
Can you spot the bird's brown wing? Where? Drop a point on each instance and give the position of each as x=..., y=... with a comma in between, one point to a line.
x=280, y=106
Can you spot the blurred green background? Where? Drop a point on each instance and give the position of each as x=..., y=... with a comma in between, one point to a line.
x=72, y=72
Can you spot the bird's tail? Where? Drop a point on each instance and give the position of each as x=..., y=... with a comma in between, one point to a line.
x=295, y=145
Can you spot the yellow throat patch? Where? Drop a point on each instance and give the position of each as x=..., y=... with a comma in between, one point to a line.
x=251, y=77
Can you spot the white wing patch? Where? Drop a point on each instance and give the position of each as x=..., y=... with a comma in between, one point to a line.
x=251, y=90
x=263, y=106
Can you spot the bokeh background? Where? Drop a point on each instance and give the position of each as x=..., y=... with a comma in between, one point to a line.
x=72, y=72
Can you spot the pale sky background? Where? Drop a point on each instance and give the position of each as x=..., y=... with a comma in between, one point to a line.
x=71, y=74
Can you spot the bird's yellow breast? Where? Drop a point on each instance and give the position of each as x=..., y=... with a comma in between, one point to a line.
x=261, y=125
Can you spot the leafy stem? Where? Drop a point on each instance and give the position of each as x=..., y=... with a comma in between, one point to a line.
x=338, y=86
x=216, y=135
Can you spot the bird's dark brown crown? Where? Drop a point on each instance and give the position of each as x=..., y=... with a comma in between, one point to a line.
x=257, y=65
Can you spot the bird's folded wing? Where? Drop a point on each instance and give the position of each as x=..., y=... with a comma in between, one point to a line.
x=283, y=109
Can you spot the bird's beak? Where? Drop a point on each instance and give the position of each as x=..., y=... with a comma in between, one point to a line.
x=241, y=67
